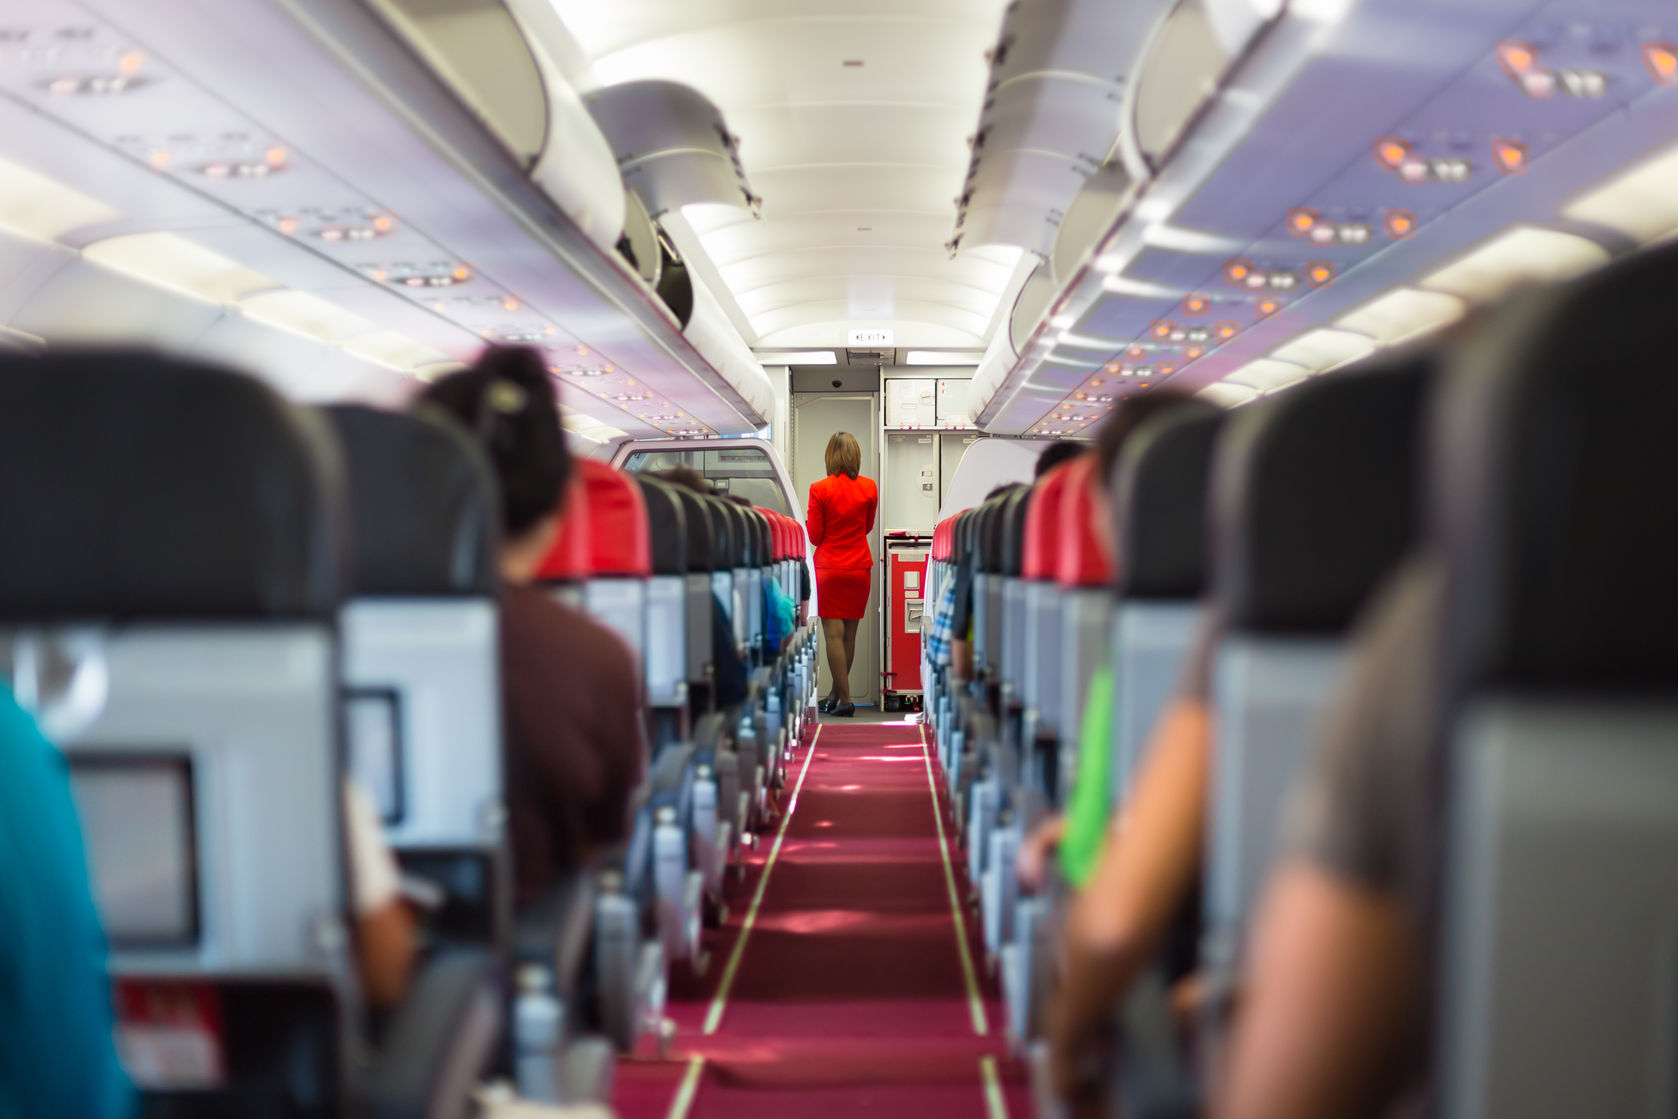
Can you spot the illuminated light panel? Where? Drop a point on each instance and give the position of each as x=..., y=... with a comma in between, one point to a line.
x=1196, y=305
x=1640, y=202
x=1400, y=224
x=1226, y=330
x=1318, y=350
x=1302, y=220
x=1226, y=395
x=941, y=357
x=167, y=260
x=1193, y=353
x=1517, y=58
x=1661, y=59
x=44, y=209
x=1319, y=273
x=394, y=351
x=1403, y=313
x=1267, y=307
x=1510, y=156
x=1523, y=254
x=303, y=313
x=1113, y=367
x=1162, y=328
x=1267, y=374
x=1236, y=272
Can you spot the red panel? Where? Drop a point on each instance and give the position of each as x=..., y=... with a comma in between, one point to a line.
x=568, y=559
x=905, y=648
x=1084, y=559
x=1042, y=524
x=620, y=539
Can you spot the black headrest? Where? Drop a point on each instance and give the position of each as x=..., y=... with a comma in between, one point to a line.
x=667, y=523
x=761, y=551
x=1316, y=494
x=730, y=532
x=136, y=486
x=423, y=510
x=696, y=523
x=1013, y=529
x=993, y=521
x=1159, y=490
x=1556, y=489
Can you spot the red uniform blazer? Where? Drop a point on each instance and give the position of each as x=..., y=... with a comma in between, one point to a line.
x=840, y=517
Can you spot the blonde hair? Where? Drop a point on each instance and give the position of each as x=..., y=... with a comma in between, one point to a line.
x=844, y=455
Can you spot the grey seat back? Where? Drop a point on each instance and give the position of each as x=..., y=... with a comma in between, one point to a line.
x=182, y=520
x=1314, y=501
x=665, y=654
x=1013, y=598
x=1085, y=580
x=1158, y=495
x=1552, y=510
x=421, y=652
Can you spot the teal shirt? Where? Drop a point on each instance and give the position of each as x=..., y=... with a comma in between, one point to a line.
x=57, y=1055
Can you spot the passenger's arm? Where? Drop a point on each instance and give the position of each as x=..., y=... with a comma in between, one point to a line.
x=1150, y=865
x=1328, y=998
x=1040, y=843
x=384, y=925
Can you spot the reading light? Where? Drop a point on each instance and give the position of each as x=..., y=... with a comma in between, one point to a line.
x=1319, y=273
x=1662, y=61
x=1194, y=353
x=1267, y=307
x=1237, y=271
x=1400, y=224
x=1391, y=153
x=1516, y=58
x=1510, y=155
x=1195, y=304
x=1226, y=330
x=1162, y=328
x=1301, y=221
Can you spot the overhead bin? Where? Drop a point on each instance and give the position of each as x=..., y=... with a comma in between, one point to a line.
x=672, y=145
x=1051, y=117
x=507, y=75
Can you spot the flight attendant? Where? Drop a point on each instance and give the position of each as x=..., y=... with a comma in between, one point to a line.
x=840, y=517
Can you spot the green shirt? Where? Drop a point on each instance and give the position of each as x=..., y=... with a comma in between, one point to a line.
x=1088, y=808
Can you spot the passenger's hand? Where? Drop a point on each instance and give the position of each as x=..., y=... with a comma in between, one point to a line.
x=1031, y=864
x=1074, y=1066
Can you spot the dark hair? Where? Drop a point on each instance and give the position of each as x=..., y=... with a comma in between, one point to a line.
x=687, y=477
x=507, y=402
x=1062, y=450
x=1129, y=416
x=739, y=499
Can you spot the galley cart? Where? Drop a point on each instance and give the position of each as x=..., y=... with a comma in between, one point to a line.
x=900, y=679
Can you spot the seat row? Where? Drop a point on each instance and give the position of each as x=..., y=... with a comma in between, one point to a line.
x=1253, y=543
x=222, y=606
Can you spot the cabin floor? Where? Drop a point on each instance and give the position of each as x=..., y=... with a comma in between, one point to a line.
x=845, y=980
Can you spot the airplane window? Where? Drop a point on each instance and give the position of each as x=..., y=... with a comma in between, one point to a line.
x=745, y=471
x=137, y=822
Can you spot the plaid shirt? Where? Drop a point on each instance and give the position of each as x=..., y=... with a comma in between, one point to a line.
x=943, y=626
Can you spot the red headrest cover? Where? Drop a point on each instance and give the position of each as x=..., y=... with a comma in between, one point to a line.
x=568, y=560
x=777, y=533
x=1084, y=560
x=1042, y=525
x=620, y=537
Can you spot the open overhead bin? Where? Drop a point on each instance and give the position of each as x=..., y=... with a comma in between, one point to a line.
x=1358, y=174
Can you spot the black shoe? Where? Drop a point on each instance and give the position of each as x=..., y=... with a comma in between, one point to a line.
x=826, y=706
x=844, y=712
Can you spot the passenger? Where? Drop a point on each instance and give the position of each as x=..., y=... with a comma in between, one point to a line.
x=57, y=1056
x=1078, y=835
x=1333, y=1015
x=570, y=688
x=839, y=519
x=1140, y=890
x=384, y=924
x=1062, y=450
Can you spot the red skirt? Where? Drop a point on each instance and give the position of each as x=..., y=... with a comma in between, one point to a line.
x=843, y=592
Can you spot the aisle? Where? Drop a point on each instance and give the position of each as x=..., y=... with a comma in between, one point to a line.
x=850, y=993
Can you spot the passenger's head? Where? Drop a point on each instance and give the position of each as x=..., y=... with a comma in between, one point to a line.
x=507, y=402
x=1130, y=415
x=844, y=455
x=1063, y=450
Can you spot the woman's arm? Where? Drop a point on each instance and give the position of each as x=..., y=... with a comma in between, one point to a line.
x=815, y=523
x=873, y=506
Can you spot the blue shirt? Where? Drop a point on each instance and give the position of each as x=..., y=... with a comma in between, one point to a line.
x=943, y=626
x=57, y=1055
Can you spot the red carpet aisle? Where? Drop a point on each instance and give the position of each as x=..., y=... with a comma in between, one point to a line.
x=850, y=995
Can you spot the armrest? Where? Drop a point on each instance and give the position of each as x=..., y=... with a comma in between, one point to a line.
x=710, y=731
x=439, y=1042
x=667, y=773
x=1156, y=1081
x=555, y=929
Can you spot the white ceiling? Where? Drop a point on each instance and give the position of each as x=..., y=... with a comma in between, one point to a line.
x=858, y=166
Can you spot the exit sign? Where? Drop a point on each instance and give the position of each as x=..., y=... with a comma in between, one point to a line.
x=868, y=338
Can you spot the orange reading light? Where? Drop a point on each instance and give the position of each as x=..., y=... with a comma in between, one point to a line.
x=1662, y=61
x=1162, y=328
x=1401, y=224
x=1226, y=330
x=1268, y=307
x=1193, y=353
x=1510, y=155
x=1167, y=369
x=508, y=303
x=1391, y=153
x=1113, y=367
x=1196, y=305
x=384, y=223
x=277, y=156
x=1237, y=271
x=1517, y=59
x=1136, y=352
x=1302, y=221
x=1319, y=274
x=461, y=273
